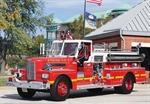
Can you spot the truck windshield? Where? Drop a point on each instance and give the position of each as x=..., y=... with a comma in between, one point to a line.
x=69, y=49
x=56, y=48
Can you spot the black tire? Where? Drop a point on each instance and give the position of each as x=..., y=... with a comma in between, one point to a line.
x=95, y=90
x=127, y=85
x=29, y=94
x=60, y=89
x=117, y=89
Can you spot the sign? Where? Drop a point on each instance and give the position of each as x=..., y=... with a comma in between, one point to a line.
x=90, y=21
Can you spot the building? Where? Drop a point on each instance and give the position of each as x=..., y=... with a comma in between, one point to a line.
x=127, y=30
x=121, y=9
x=51, y=32
x=58, y=27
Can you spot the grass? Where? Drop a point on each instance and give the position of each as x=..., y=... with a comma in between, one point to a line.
x=3, y=74
x=3, y=81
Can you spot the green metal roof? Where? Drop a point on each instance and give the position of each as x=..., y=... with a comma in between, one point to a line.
x=124, y=6
x=100, y=14
x=56, y=20
x=71, y=19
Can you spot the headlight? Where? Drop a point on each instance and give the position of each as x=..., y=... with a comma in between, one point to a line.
x=45, y=76
x=48, y=67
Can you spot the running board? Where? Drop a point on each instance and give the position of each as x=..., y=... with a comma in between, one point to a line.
x=90, y=86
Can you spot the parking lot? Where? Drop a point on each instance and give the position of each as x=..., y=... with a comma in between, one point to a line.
x=140, y=94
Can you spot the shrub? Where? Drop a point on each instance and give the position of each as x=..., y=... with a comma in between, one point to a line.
x=13, y=61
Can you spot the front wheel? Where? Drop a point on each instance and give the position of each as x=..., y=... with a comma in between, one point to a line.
x=61, y=89
x=128, y=84
x=28, y=94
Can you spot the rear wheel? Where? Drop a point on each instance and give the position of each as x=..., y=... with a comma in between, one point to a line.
x=28, y=94
x=95, y=90
x=128, y=84
x=61, y=89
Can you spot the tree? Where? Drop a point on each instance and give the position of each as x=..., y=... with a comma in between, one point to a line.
x=4, y=24
x=30, y=13
x=103, y=20
x=25, y=17
x=77, y=28
x=35, y=50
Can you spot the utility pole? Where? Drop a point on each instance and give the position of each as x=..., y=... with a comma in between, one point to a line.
x=84, y=18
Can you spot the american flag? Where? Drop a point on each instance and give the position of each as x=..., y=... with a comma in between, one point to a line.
x=68, y=36
x=95, y=1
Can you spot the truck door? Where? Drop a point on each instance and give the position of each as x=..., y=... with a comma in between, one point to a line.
x=87, y=63
x=84, y=70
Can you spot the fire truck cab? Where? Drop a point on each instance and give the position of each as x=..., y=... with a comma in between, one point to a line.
x=76, y=65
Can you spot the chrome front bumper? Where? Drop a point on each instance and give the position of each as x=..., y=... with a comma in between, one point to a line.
x=29, y=85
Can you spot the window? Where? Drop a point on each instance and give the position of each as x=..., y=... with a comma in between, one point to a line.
x=70, y=49
x=86, y=51
x=56, y=48
x=51, y=35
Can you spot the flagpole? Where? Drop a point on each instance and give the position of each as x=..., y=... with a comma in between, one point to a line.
x=84, y=18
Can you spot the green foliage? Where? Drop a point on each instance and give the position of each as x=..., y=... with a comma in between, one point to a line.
x=77, y=28
x=35, y=49
x=3, y=81
x=18, y=18
x=103, y=21
x=4, y=24
x=13, y=61
x=24, y=11
x=28, y=14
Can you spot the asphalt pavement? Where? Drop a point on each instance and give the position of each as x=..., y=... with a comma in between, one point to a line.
x=140, y=95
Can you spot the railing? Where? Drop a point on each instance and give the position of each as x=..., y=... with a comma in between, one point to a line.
x=107, y=47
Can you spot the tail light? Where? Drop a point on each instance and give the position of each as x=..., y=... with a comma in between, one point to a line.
x=10, y=79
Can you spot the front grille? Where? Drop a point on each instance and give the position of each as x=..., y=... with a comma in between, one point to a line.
x=30, y=70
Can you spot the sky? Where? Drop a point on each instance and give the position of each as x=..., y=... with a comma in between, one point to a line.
x=64, y=9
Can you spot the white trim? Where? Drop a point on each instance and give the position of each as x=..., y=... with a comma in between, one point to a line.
x=136, y=33
x=134, y=44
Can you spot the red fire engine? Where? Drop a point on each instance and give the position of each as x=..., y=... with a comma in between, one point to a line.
x=76, y=65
